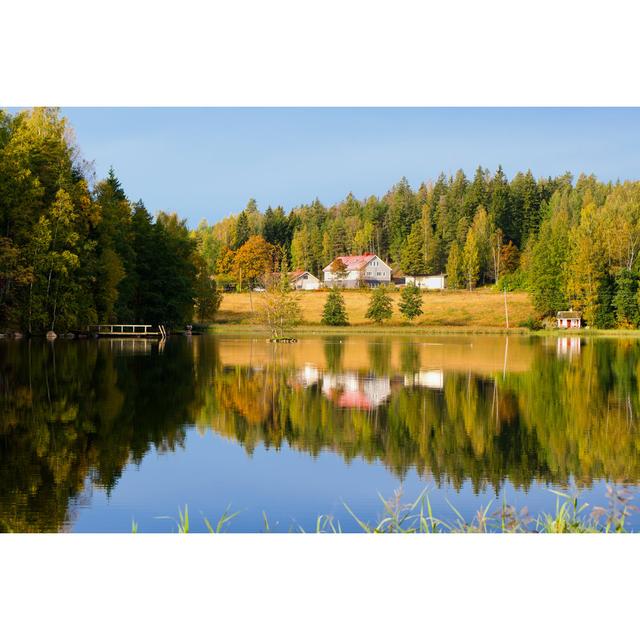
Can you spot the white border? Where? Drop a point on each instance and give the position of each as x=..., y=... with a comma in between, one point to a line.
x=286, y=52
x=320, y=53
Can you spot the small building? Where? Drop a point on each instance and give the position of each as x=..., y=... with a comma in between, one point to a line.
x=367, y=269
x=569, y=319
x=428, y=281
x=303, y=280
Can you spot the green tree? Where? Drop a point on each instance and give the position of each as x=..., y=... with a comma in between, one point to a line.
x=549, y=267
x=500, y=206
x=380, y=305
x=242, y=231
x=276, y=230
x=455, y=268
x=471, y=259
x=410, y=304
x=115, y=234
x=334, y=312
x=412, y=261
x=208, y=297
x=175, y=278
x=625, y=300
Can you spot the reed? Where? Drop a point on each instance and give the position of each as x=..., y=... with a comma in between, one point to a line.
x=570, y=516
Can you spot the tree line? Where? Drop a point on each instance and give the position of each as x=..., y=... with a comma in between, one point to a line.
x=569, y=242
x=74, y=253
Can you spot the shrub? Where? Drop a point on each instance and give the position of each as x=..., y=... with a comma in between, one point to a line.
x=531, y=323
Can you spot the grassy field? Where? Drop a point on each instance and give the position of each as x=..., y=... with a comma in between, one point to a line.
x=482, y=308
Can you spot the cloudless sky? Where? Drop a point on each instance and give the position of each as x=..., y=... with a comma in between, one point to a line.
x=208, y=162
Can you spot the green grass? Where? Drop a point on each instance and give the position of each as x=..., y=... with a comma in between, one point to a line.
x=570, y=516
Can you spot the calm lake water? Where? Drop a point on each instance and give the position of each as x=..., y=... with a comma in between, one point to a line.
x=97, y=434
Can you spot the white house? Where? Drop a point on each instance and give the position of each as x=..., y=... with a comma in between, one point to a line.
x=428, y=282
x=569, y=319
x=303, y=280
x=367, y=269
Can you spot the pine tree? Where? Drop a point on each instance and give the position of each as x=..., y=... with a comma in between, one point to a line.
x=334, y=313
x=412, y=261
x=500, y=206
x=276, y=228
x=380, y=306
x=242, y=231
x=410, y=304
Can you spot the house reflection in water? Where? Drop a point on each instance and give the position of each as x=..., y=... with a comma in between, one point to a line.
x=567, y=347
x=432, y=379
x=352, y=390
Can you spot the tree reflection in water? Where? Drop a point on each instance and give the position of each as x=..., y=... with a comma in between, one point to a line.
x=75, y=414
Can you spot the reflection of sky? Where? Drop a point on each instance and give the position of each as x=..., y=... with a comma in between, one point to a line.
x=291, y=487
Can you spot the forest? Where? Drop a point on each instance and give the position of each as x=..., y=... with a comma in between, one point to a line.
x=568, y=242
x=76, y=251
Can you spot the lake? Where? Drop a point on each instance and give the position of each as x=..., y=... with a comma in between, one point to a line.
x=98, y=434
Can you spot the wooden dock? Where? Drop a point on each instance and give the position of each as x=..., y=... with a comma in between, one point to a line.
x=127, y=331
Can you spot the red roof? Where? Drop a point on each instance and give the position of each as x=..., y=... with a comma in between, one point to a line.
x=355, y=262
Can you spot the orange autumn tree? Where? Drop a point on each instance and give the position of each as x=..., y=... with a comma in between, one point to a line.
x=253, y=262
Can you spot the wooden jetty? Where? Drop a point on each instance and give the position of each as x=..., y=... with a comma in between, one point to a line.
x=127, y=331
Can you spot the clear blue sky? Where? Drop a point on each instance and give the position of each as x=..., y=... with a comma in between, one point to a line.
x=206, y=163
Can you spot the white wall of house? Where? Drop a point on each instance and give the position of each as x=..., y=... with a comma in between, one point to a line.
x=306, y=282
x=427, y=282
x=377, y=270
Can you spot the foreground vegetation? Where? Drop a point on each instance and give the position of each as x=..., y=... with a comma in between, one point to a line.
x=570, y=516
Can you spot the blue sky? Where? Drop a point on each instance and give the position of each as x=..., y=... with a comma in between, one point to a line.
x=207, y=162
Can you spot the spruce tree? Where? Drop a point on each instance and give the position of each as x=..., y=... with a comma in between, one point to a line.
x=412, y=261
x=380, y=306
x=242, y=231
x=410, y=304
x=334, y=313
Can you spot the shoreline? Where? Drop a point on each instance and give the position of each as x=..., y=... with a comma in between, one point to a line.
x=230, y=328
